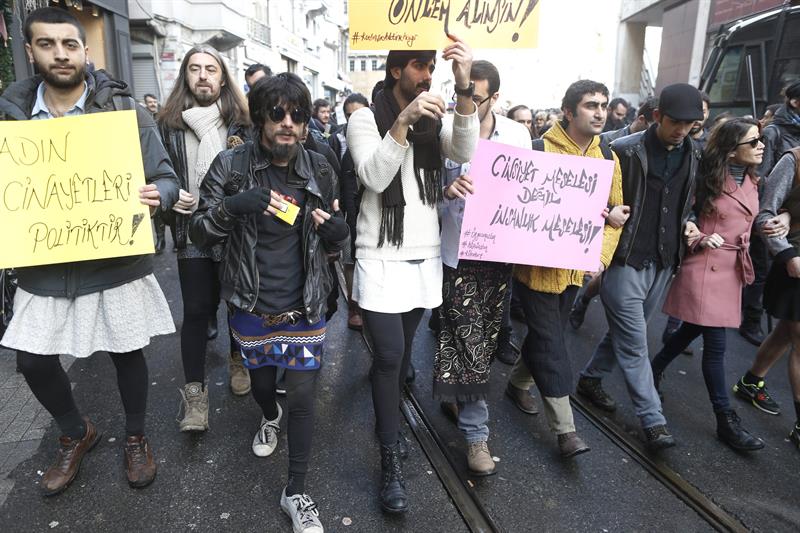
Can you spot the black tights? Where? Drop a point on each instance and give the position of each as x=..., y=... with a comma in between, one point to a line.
x=392, y=335
x=50, y=384
x=300, y=386
x=200, y=293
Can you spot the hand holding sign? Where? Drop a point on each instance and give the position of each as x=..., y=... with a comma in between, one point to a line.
x=461, y=54
x=618, y=215
x=149, y=195
x=460, y=188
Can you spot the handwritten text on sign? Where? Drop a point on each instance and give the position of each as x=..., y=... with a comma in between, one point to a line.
x=69, y=190
x=535, y=208
x=423, y=24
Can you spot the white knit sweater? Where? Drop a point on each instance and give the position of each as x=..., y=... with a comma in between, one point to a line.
x=377, y=161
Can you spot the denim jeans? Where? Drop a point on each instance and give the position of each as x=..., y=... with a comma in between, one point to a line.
x=472, y=419
x=713, y=359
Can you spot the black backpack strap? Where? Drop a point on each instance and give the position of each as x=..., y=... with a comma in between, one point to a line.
x=538, y=145
x=240, y=165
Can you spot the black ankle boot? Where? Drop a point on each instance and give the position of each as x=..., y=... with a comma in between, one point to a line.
x=731, y=432
x=393, y=489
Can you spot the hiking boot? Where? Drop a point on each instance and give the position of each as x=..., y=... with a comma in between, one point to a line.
x=240, y=377
x=303, y=512
x=522, y=399
x=266, y=438
x=658, y=438
x=479, y=460
x=757, y=395
x=578, y=312
x=195, y=407
x=731, y=432
x=68, y=460
x=794, y=436
x=393, y=496
x=570, y=445
x=140, y=466
x=592, y=390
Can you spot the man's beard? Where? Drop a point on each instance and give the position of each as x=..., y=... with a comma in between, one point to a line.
x=205, y=99
x=410, y=94
x=284, y=152
x=75, y=79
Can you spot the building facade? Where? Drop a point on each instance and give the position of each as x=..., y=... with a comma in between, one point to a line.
x=306, y=37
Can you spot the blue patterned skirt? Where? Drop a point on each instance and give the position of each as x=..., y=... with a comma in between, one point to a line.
x=294, y=346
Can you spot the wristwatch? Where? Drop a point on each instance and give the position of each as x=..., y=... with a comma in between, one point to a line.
x=469, y=91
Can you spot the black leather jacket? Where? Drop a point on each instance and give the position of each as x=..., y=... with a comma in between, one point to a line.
x=212, y=224
x=633, y=163
x=68, y=280
x=780, y=136
x=175, y=144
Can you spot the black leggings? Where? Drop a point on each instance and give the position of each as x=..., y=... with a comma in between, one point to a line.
x=300, y=386
x=392, y=335
x=200, y=293
x=50, y=384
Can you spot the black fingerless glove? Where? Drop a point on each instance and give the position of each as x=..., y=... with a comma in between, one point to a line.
x=334, y=229
x=247, y=202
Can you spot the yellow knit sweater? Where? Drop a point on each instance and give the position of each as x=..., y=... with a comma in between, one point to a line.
x=556, y=280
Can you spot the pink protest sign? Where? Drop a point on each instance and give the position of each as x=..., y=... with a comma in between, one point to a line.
x=535, y=208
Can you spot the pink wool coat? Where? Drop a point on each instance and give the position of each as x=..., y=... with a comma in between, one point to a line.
x=707, y=290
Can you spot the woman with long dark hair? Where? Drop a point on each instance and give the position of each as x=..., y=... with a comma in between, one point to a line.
x=706, y=294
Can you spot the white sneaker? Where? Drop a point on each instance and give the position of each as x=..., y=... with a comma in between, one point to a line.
x=303, y=512
x=266, y=439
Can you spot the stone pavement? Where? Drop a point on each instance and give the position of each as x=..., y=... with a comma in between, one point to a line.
x=23, y=420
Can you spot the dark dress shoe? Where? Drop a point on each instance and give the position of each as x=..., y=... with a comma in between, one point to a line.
x=570, y=445
x=592, y=389
x=68, y=460
x=506, y=353
x=522, y=399
x=752, y=333
x=731, y=432
x=139, y=463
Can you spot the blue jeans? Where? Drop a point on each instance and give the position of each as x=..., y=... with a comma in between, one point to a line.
x=713, y=359
x=472, y=419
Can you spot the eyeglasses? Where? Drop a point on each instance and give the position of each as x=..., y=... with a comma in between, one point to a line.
x=475, y=98
x=277, y=114
x=753, y=142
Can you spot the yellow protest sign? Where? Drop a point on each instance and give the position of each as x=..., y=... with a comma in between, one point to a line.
x=69, y=190
x=424, y=24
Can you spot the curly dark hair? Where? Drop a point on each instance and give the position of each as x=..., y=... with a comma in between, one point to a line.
x=285, y=89
x=713, y=170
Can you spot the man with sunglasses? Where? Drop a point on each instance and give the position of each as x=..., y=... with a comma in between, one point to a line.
x=659, y=168
x=275, y=203
x=473, y=292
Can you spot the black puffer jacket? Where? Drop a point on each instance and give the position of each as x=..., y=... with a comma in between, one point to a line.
x=85, y=277
x=175, y=144
x=212, y=224
x=780, y=136
x=632, y=155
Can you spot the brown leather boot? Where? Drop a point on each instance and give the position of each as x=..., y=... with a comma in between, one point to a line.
x=68, y=460
x=139, y=463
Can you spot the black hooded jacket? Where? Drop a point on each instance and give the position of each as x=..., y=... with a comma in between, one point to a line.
x=780, y=136
x=85, y=277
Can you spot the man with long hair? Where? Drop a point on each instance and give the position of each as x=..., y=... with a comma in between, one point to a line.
x=275, y=203
x=56, y=306
x=204, y=114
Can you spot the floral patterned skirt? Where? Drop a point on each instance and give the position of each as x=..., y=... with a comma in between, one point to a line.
x=471, y=315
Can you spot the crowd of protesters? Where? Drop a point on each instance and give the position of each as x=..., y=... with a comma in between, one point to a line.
x=263, y=193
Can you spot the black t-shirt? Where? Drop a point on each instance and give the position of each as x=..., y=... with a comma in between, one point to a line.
x=280, y=250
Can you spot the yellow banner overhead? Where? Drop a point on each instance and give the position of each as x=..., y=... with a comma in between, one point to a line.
x=425, y=24
x=69, y=190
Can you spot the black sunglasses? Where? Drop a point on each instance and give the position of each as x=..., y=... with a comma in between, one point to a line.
x=753, y=142
x=277, y=114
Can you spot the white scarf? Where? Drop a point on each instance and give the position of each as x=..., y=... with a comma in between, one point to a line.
x=204, y=122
